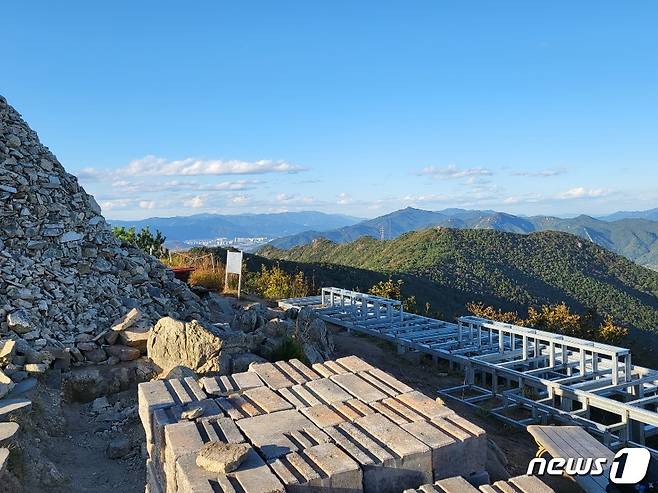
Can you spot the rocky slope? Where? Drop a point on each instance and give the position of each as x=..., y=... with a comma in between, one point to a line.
x=62, y=272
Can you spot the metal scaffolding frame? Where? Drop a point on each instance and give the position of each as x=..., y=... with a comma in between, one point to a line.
x=547, y=376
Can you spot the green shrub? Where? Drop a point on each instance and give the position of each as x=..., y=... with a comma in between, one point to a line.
x=289, y=349
x=275, y=283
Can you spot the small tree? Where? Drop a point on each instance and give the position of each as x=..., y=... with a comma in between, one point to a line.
x=275, y=283
x=393, y=290
x=557, y=318
x=480, y=310
x=388, y=289
x=144, y=239
x=610, y=332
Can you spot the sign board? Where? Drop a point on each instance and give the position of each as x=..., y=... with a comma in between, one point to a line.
x=234, y=266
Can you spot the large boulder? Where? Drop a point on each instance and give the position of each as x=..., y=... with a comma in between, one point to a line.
x=174, y=343
x=204, y=349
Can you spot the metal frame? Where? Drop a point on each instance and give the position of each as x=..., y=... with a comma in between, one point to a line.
x=552, y=376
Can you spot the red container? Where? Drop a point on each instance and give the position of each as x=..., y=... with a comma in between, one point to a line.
x=183, y=273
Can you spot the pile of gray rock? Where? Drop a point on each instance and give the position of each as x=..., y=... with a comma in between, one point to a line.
x=62, y=272
x=72, y=293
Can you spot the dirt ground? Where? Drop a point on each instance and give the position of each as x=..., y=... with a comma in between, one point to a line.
x=62, y=447
x=81, y=453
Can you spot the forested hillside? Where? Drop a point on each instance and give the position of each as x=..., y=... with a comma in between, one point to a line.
x=506, y=270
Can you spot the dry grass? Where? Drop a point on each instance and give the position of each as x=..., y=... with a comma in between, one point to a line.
x=204, y=274
x=213, y=281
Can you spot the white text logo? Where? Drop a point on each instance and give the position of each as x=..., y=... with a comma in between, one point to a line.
x=629, y=466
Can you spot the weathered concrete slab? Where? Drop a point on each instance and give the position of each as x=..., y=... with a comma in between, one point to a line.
x=323, y=415
x=153, y=481
x=253, y=402
x=413, y=459
x=230, y=384
x=272, y=376
x=386, y=382
x=160, y=394
x=327, y=391
x=281, y=432
x=359, y=387
x=354, y=364
x=364, y=449
x=170, y=415
x=253, y=476
x=188, y=437
x=519, y=484
x=322, y=467
x=455, y=485
x=308, y=373
x=329, y=368
x=353, y=409
x=454, y=450
x=423, y=405
x=396, y=411
x=299, y=396
x=390, y=458
x=463, y=453
x=291, y=372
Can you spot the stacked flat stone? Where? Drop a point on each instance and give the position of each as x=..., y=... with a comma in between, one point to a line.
x=64, y=277
x=519, y=484
x=340, y=425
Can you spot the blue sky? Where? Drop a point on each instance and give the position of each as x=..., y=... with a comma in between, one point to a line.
x=170, y=108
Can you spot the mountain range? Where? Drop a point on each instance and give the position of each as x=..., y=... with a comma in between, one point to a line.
x=631, y=234
x=651, y=215
x=210, y=226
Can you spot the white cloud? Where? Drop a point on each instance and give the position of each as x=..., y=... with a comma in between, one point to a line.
x=225, y=186
x=582, y=192
x=157, y=166
x=114, y=204
x=147, y=204
x=433, y=197
x=528, y=198
x=452, y=171
x=543, y=173
x=195, y=202
x=343, y=198
x=241, y=199
x=90, y=174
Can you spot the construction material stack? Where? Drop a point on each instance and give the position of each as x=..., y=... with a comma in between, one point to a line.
x=340, y=425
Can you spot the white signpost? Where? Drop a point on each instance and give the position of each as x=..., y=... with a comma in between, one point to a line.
x=233, y=266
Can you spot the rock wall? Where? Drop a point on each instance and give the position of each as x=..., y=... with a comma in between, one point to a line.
x=64, y=277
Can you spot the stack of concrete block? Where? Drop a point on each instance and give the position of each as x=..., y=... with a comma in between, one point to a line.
x=337, y=426
x=519, y=484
